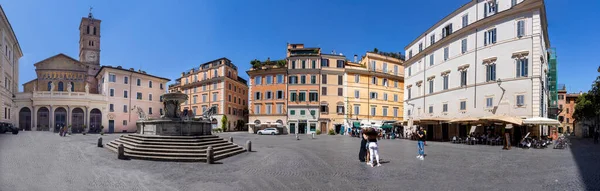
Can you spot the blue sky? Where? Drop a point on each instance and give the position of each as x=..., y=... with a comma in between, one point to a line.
x=166, y=38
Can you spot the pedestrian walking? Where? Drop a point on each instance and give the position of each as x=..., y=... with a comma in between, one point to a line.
x=371, y=135
x=421, y=143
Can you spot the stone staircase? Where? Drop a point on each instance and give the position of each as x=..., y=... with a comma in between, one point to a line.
x=174, y=148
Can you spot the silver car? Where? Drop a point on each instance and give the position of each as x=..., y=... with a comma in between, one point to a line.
x=268, y=131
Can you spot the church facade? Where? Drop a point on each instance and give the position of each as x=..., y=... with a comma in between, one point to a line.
x=81, y=94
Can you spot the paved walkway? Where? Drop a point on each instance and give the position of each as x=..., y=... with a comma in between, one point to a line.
x=45, y=161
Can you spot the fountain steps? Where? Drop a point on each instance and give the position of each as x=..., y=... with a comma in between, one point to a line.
x=168, y=148
x=166, y=140
x=172, y=137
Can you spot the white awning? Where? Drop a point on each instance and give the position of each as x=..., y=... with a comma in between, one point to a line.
x=541, y=121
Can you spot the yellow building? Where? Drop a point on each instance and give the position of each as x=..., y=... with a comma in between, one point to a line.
x=374, y=90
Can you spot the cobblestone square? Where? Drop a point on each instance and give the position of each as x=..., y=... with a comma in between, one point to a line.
x=45, y=161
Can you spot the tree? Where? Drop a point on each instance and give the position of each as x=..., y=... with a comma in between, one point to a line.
x=255, y=63
x=587, y=106
x=224, y=123
x=281, y=63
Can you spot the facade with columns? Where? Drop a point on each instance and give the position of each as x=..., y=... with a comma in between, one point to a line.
x=67, y=91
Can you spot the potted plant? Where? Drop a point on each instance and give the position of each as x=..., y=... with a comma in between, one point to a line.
x=101, y=130
x=84, y=129
x=331, y=132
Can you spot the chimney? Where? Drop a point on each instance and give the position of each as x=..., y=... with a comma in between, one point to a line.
x=355, y=58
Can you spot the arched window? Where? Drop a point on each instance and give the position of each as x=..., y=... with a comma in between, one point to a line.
x=72, y=86
x=49, y=85
x=88, y=29
x=60, y=87
x=94, y=30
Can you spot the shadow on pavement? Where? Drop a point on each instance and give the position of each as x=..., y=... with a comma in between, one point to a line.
x=587, y=158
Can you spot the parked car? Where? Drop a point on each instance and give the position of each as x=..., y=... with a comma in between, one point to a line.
x=268, y=131
x=4, y=127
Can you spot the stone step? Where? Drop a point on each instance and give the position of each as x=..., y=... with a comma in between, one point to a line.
x=171, y=143
x=223, y=155
x=203, y=151
x=173, y=137
x=172, y=146
x=183, y=151
x=173, y=140
x=166, y=158
x=220, y=154
x=216, y=147
x=170, y=149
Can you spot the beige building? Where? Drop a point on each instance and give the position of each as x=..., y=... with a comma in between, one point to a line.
x=65, y=92
x=127, y=90
x=215, y=84
x=375, y=90
x=10, y=52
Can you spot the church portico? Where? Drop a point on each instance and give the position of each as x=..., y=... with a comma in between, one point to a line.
x=45, y=111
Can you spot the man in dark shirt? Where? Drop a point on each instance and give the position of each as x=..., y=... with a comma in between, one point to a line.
x=421, y=144
x=362, y=154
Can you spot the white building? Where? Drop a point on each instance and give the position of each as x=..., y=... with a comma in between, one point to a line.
x=488, y=58
x=10, y=52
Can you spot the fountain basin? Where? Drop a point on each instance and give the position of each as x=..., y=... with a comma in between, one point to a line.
x=174, y=128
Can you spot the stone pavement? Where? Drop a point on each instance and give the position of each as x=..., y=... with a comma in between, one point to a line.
x=45, y=161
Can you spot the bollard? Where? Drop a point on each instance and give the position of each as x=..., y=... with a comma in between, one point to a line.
x=313, y=135
x=249, y=146
x=100, y=142
x=121, y=152
x=297, y=138
x=209, y=155
x=231, y=139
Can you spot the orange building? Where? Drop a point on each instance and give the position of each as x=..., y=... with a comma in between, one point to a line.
x=311, y=91
x=216, y=84
x=268, y=95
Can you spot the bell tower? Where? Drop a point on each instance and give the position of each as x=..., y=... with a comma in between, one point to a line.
x=89, y=48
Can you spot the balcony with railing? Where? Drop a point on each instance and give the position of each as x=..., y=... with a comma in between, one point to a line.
x=59, y=95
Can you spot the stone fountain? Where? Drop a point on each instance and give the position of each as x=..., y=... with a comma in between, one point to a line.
x=175, y=136
x=173, y=123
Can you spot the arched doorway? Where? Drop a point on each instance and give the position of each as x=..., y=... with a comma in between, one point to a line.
x=214, y=123
x=60, y=118
x=77, y=120
x=43, y=119
x=25, y=119
x=95, y=120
